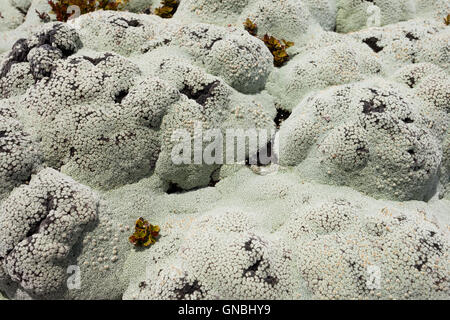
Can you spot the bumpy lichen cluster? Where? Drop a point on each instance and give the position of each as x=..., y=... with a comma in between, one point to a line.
x=391, y=136
x=33, y=58
x=39, y=223
x=324, y=243
x=19, y=153
x=355, y=207
x=412, y=41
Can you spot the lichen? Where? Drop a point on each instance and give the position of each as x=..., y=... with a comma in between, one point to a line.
x=251, y=27
x=61, y=7
x=276, y=47
x=144, y=234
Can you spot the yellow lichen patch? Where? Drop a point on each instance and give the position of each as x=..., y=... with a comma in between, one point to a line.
x=251, y=27
x=276, y=47
x=167, y=9
x=447, y=20
x=144, y=234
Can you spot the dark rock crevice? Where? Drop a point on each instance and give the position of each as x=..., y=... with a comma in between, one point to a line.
x=372, y=42
x=200, y=96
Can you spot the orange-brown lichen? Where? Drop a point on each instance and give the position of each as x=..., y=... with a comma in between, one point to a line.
x=276, y=47
x=60, y=7
x=144, y=234
x=167, y=9
x=251, y=27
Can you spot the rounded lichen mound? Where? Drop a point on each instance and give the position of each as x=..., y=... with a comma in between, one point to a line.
x=39, y=224
x=88, y=115
x=428, y=81
x=373, y=136
x=387, y=255
x=412, y=41
x=332, y=64
x=241, y=60
x=120, y=32
x=205, y=102
x=224, y=257
x=33, y=58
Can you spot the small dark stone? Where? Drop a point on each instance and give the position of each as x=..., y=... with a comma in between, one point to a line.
x=369, y=107
x=408, y=120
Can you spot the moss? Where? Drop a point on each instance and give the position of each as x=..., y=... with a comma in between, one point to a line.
x=59, y=7
x=167, y=9
x=144, y=234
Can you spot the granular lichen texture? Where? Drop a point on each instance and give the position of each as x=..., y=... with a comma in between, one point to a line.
x=222, y=150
